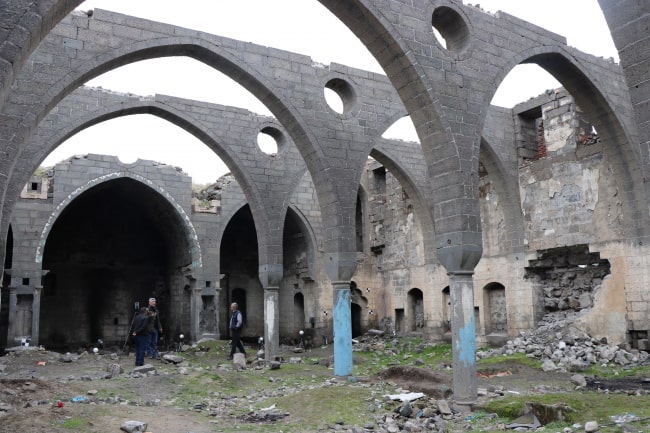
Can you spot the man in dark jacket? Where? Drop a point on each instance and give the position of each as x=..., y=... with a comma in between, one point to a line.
x=155, y=329
x=236, y=323
x=141, y=335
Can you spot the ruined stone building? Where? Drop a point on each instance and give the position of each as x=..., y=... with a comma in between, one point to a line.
x=495, y=218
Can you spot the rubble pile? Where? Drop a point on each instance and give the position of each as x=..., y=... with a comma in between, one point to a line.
x=564, y=347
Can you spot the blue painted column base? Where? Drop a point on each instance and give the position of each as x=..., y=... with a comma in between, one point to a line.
x=463, y=331
x=342, y=330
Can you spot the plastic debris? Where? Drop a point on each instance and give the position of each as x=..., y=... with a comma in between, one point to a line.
x=406, y=397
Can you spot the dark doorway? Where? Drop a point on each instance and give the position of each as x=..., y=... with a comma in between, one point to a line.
x=356, y=320
x=115, y=245
x=240, y=265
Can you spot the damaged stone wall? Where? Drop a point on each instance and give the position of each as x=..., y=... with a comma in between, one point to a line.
x=87, y=274
x=568, y=277
x=394, y=263
x=572, y=202
x=570, y=197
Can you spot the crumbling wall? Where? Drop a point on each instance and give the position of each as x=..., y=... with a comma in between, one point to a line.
x=571, y=201
x=394, y=263
x=568, y=277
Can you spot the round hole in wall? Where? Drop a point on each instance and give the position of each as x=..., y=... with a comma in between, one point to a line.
x=339, y=95
x=450, y=29
x=270, y=140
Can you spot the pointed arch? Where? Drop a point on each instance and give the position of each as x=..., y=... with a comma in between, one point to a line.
x=189, y=230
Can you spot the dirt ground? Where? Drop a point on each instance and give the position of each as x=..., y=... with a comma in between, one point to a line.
x=33, y=382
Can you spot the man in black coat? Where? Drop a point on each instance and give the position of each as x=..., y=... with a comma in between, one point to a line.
x=141, y=334
x=155, y=329
x=236, y=323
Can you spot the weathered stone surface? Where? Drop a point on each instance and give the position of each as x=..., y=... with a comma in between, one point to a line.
x=134, y=426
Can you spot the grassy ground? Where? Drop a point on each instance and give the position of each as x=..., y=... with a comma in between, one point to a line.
x=206, y=397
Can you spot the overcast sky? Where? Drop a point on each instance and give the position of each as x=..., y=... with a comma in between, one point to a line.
x=302, y=26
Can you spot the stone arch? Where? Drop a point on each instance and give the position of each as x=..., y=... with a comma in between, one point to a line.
x=222, y=59
x=27, y=26
x=358, y=304
x=182, y=119
x=305, y=227
x=239, y=264
x=507, y=185
x=212, y=55
x=92, y=267
x=368, y=23
x=496, y=312
x=458, y=244
x=416, y=193
x=192, y=239
x=415, y=304
x=579, y=78
x=446, y=312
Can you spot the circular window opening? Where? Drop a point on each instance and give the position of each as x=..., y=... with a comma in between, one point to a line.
x=269, y=140
x=450, y=29
x=339, y=95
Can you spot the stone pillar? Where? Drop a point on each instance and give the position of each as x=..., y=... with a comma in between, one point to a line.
x=36, y=315
x=270, y=276
x=460, y=261
x=342, y=329
x=11, y=329
x=271, y=322
x=340, y=267
x=463, y=331
x=196, y=304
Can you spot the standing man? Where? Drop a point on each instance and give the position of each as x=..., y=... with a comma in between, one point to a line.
x=141, y=335
x=236, y=323
x=154, y=330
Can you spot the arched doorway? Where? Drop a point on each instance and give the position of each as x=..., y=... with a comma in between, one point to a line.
x=356, y=319
x=496, y=316
x=239, y=265
x=415, y=303
x=446, y=314
x=299, y=311
x=111, y=248
x=238, y=296
x=4, y=290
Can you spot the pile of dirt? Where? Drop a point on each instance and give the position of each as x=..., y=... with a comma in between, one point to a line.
x=416, y=379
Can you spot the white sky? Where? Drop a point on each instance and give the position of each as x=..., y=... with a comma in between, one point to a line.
x=302, y=26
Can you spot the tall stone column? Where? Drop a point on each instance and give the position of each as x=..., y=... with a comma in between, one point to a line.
x=270, y=276
x=460, y=261
x=340, y=267
x=463, y=331
x=36, y=315
x=271, y=322
x=342, y=317
x=196, y=304
x=13, y=303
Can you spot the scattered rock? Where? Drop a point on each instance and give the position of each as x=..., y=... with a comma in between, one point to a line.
x=173, y=359
x=134, y=426
x=579, y=380
x=144, y=369
x=114, y=370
